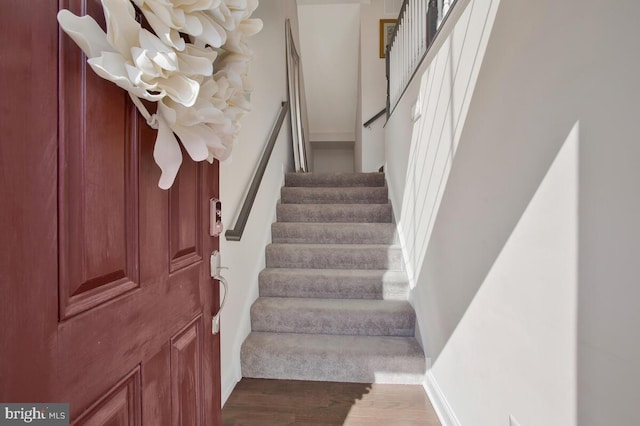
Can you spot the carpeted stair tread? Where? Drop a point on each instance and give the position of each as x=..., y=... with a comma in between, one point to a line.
x=342, y=195
x=320, y=357
x=334, y=283
x=333, y=302
x=333, y=316
x=333, y=233
x=334, y=179
x=345, y=213
x=334, y=256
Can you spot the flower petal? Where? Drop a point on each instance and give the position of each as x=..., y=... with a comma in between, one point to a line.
x=251, y=27
x=190, y=6
x=196, y=61
x=122, y=27
x=165, y=11
x=192, y=25
x=168, y=35
x=181, y=89
x=144, y=65
x=252, y=5
x=194, y=140
x=214, y=142
x=85, y=32
x=112, y=66
x=167, y=154
x=237, y=4
x=212, y=33
x=157, y=51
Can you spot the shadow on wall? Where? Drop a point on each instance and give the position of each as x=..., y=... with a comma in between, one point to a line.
x=445, y=92
x=484, y=202
x=544, y=70
x=445, y=89
x=503, y=155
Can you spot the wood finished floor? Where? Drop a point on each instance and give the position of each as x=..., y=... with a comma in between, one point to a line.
x=291, y=402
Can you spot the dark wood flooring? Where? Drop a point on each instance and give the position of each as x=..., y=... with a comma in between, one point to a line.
x=290, y=402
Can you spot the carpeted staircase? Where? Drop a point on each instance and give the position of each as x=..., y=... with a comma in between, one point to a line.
x=333, y=296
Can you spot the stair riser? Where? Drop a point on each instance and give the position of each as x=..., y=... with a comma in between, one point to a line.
x=333, y=233
x=334, y=179
x=336, y=290
x=325, y=370
x=321, y=257
x=301, y=195
x=333, y=284
x=270, y=317
x=345, y=213
x=260, y=360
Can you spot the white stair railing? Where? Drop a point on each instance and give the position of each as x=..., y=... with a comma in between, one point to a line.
x=416, y=28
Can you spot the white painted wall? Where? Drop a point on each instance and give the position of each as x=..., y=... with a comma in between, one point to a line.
x=525, y=273
x=513, y=350
x=372, y=93
x=330, y=157
x=425, y=128
x=245, y=258
x=329, y=54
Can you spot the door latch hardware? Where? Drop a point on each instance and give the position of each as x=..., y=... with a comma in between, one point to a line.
x=215, y=217
x=215, y=274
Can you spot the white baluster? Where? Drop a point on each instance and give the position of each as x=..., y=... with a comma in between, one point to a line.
x=446, y=4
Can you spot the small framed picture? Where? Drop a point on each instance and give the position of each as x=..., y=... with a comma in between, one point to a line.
x=386, y=31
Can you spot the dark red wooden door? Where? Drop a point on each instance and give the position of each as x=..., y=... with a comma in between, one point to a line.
x=106, y=299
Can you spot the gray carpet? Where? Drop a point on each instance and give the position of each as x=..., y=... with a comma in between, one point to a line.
x=333, y=296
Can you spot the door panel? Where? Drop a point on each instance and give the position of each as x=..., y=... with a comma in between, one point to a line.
x=120, y=406
x=122, y=330
x=186, y=370
x=185, y=220
x=98, y=209
x=98, y=182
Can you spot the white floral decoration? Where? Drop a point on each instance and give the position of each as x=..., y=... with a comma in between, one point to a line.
x=194, y=65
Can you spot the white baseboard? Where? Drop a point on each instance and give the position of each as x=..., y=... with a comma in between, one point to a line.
x=332, y=136
x=439, y=401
